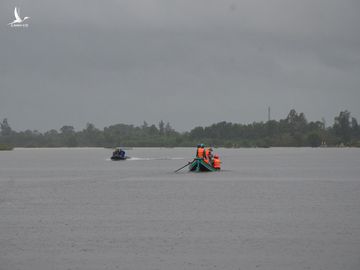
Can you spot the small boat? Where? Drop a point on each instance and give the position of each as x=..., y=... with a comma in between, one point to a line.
x=199, y=165
x=119, y=154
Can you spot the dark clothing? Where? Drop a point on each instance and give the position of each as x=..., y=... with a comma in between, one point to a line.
x=119, y=153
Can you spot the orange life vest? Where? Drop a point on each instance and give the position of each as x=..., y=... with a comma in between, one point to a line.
x=200, y=152
x=207, y=155
x=217, y=163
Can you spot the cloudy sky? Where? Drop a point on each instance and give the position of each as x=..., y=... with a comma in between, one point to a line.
x=189, y=62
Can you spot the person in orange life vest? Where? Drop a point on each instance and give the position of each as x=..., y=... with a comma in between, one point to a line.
x=208, y=155
x=200, y=151
x=217, y=162
x=197, y=150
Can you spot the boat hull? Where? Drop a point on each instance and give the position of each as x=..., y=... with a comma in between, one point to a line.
x=199, y=165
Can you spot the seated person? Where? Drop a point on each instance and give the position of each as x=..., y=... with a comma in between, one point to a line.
x=200, y=152
x=217, y=162
x=121, y=153
x=208, y=155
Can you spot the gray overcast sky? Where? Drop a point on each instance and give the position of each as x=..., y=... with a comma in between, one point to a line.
x=189, y=62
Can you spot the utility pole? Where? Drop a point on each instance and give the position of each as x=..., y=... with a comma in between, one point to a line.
x=269, y=114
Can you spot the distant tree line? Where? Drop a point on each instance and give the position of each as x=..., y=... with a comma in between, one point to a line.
x=294, y=130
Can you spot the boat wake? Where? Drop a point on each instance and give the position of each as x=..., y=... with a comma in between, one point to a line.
x=159, y=158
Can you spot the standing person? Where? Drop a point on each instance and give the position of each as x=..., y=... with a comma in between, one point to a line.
x=217, y=162
x=200, y=153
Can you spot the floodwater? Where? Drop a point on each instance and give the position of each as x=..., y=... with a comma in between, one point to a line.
x=276, y=208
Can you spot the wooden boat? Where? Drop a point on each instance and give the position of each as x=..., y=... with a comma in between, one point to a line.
x=199, y=165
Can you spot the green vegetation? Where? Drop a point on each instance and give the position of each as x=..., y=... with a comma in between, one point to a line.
x=294, y=130
x=4, y=147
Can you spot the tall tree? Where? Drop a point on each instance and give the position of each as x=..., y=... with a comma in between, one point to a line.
x=68, y=136
x=161, y=128
x=67, y=130
x=168, y=129
x=355, y=130
x=296, y=121
x=5, y=128
x=342, y=126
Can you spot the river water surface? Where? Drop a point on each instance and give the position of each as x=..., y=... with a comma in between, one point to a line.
x=276, y=208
